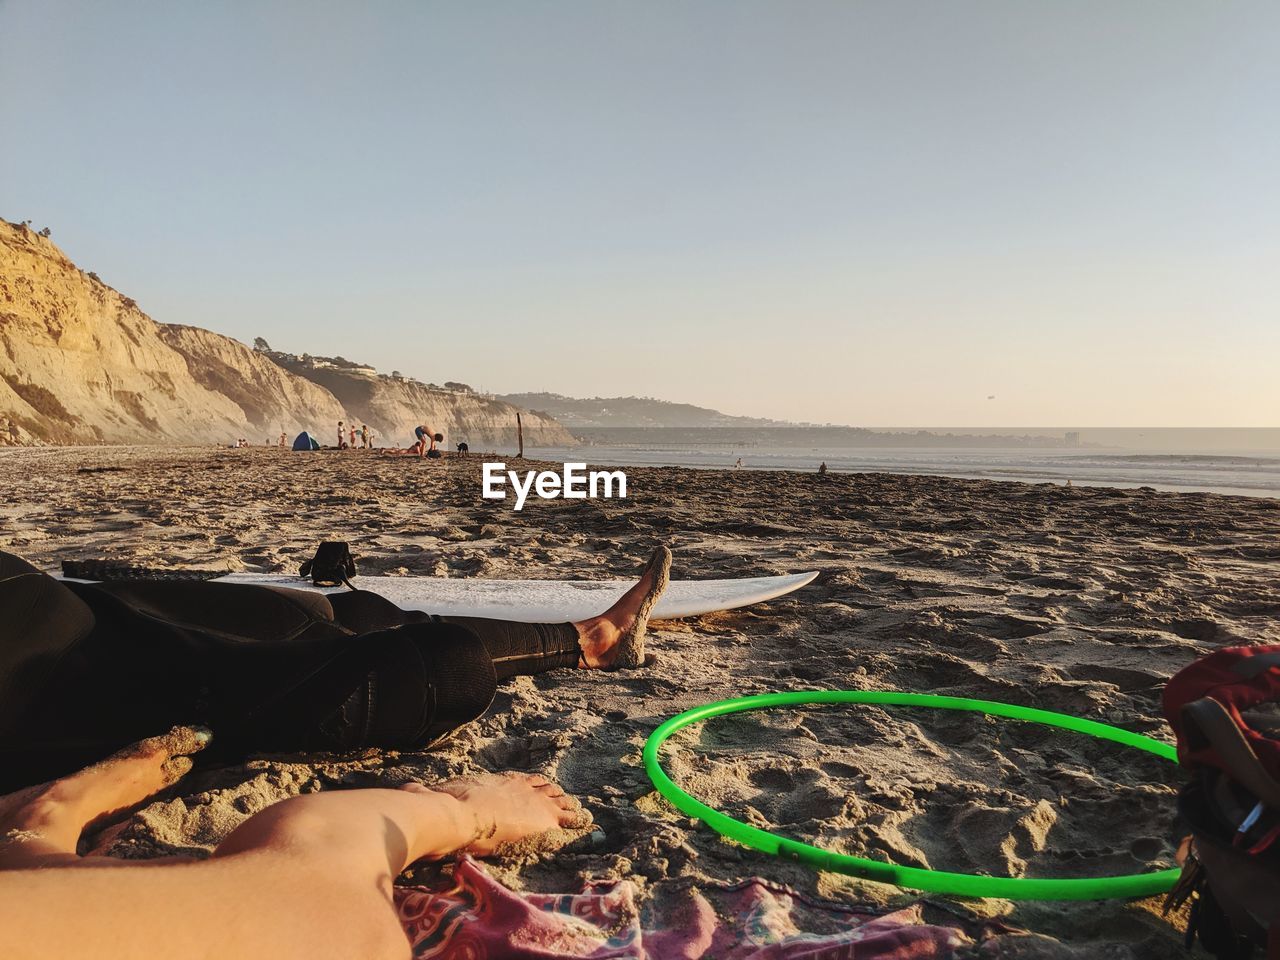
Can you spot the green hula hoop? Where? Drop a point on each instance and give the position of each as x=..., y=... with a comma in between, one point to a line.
x=916, y=878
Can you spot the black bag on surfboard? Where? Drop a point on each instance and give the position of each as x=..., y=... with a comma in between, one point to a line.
x=332, y=566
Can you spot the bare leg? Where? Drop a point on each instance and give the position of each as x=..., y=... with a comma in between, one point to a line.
x=412, y=823
x=308, y=877
x=605, y=639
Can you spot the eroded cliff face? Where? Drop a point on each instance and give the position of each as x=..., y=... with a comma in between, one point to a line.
x=270, y=398
x=393, y=407
x=80, y=363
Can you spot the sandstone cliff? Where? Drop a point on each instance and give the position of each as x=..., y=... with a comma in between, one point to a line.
x=392, y=407
x=80, y=363
x=272, y=399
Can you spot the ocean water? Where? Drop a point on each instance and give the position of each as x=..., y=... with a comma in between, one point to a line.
x=1248, y=473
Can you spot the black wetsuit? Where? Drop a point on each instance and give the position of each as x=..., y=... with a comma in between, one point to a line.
x=86, y=668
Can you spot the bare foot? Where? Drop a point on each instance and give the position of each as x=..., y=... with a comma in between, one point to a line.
x=616, y=637
x=508, y=806
x=47, y=820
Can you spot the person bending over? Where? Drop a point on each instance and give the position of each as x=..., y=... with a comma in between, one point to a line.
x=425, y=436
x=311, y=876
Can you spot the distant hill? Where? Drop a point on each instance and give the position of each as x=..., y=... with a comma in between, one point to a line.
x=81, y=363
x=643, y=422
x=630, y=412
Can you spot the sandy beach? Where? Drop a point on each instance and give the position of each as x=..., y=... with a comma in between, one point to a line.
x=1081, y=600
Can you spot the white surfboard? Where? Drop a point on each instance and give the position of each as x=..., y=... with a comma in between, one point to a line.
x=548, y=601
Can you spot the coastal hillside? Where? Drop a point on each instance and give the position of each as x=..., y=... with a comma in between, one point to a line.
x=80, y=363
x=575, y=412
x=393, y=405
x=271, y=399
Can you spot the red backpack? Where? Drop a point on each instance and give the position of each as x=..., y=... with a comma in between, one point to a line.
x=1225, y=710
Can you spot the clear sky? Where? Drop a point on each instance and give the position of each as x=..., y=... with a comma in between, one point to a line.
x=878, y=213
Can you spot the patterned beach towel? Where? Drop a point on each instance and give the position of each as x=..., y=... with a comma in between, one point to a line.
x=474, y=917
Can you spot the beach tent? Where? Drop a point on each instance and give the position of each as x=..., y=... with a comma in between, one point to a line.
x=304, y=441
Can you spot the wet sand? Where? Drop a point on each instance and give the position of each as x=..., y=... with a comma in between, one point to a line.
x=1083, y=600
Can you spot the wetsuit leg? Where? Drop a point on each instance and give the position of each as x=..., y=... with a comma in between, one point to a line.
x=520, y=649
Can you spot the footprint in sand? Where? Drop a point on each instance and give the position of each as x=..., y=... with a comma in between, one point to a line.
x=1205, y=631
x=519, y=753
x=1125, y=680
x=772, y=778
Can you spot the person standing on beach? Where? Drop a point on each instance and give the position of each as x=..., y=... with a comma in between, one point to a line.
x=364, y=436
x=352, y=435
x=342, y=445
